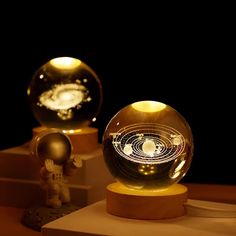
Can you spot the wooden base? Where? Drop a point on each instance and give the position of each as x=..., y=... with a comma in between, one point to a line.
x=146, y=204
x=83, y=140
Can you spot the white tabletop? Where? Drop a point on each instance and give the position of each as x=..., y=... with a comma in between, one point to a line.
x=94, y=220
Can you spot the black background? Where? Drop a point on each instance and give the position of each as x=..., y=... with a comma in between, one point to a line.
x=183, y=64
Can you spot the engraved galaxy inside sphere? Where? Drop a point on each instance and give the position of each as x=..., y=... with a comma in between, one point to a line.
x=148, y=145
x=65, y=93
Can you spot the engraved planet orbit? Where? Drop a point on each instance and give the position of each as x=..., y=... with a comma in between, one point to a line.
x=148, y=143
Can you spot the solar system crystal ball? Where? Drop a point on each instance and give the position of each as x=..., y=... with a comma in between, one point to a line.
x=65, y=93
x=148, y=145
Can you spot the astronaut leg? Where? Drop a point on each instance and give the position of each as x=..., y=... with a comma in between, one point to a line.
x=64, y=193
x=53, y=196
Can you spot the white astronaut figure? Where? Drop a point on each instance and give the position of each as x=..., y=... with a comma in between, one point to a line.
x=54, y=152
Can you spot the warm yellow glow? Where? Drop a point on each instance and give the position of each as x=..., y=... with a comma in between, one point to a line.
x=28, y=91
x=94, y=119
x=147, y=169
x=62, y=97
x=171, y=190
x=57, y=148
x=128, y=149
x=176, y=140
x=149, y=147
x=177, y=170
x=175, y=175
x=65, y=63
x=148, y=106
x=66, y=96
x=71, y=131
x=180, y=166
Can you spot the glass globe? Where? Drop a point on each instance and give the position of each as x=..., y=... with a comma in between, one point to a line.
x=65, y=93
x=148, y=145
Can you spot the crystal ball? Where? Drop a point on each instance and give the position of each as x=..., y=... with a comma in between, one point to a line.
x=148, y=145
x=65, y=93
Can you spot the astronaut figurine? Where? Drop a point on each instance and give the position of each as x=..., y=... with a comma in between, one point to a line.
x=53, y=149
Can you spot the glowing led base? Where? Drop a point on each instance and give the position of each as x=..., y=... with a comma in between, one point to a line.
x=146, y=204
x=122, y=189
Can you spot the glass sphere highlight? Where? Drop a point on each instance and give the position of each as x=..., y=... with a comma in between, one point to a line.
x=148, y=145
x=65, y=93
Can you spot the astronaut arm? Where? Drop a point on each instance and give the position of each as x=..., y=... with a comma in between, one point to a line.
x=47, y=169
x=73, y=164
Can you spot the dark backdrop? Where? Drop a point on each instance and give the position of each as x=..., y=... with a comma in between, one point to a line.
x=188, y=71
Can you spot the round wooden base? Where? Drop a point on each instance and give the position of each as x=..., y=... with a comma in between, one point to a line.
x=83, y=140
x=146, y=204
